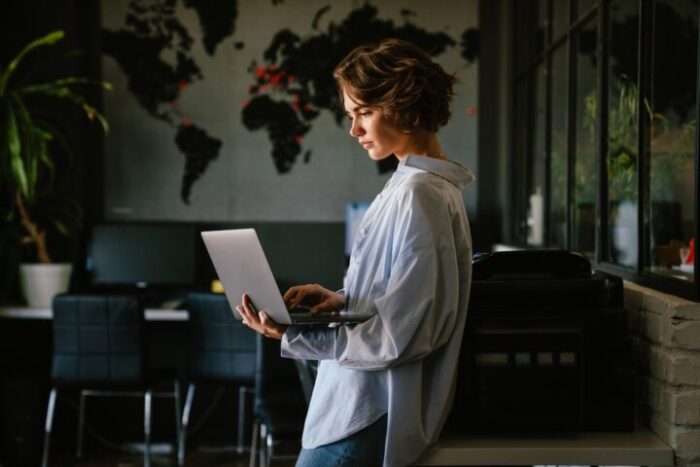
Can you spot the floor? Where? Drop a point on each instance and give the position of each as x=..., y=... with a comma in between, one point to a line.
x=199, y=457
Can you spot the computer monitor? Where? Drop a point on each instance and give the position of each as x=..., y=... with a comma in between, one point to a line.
x=142, y=255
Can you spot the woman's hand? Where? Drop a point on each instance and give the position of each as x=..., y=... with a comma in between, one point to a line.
x=259, y=321
x=315, y=297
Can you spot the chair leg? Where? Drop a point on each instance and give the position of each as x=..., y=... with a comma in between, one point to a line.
x=268, y=449
x=183, y=426
x=47, y=427
x=81, y=426
x=254, y=443
x=242, y=390
x=263, y=448
x=178, y=420
x=147, y=428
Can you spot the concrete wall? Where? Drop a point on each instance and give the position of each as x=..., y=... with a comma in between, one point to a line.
x=665, y=334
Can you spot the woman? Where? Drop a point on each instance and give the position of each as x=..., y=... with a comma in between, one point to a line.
x=384, y=387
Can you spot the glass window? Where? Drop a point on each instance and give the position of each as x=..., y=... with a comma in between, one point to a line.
x=584, y=6
x=542, y=24
x=535, y=216
x=560, y=18
x=521, y=146
x=623, y=121
x=651, y=195
x=543, y=21
x=672, y=137
x=585, y=165
x=529, y=33
x=559, y=148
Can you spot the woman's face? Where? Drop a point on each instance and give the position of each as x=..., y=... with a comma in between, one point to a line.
x=377, y=135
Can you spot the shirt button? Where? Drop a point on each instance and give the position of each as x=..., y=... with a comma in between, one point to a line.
x=379, y=196
x=363, y=232
x=357, y=260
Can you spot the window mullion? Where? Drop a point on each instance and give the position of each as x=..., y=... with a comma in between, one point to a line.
x=571, y=132
x=601, y=234
x=547, y=192
x=645, y=73
x=696, y=235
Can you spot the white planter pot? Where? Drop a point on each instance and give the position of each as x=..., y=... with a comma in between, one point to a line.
x=41, y=282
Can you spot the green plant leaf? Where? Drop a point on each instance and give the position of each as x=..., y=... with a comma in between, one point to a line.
x=65, y=92
x=63, y=82
x=15, y=150
x=37, y=139
x=30, y=133
x=50, y=38
x=61, y=227
x=56, y=135
x=34, y=145
x=64, y=213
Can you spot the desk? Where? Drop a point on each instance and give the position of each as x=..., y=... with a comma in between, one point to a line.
x=639, y=447
x=150, y=314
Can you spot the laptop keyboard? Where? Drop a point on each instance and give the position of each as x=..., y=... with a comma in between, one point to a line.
x=301, y=318
x=309, y=318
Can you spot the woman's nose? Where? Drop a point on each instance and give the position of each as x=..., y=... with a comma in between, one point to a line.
x=355, y=129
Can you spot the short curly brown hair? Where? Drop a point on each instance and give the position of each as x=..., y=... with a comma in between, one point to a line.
x=411, y=89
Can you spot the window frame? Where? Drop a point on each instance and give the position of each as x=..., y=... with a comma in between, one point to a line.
x=569, y=38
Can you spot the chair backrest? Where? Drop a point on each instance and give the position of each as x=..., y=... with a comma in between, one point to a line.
x=222, y=349
x=276, y=378
x=97, y=340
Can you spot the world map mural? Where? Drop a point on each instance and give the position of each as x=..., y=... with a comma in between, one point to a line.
x=158, y=52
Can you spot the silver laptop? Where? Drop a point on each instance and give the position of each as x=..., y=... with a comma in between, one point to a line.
x=242, y=267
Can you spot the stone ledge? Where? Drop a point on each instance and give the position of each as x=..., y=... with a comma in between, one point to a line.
x=678, y=367
x=638, y=297
x=687, y=407
x=687, y=445
x=676, y=404
x=671, y=321
x=665, y=345
x=684, y=441
x=675, y=366
x=685, y=334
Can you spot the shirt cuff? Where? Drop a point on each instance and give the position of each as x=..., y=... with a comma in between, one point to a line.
x=342, y=292
x=306, y=343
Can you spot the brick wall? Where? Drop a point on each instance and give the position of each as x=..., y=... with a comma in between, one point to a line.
x=665, y=336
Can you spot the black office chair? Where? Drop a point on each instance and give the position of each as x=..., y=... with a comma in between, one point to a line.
x=98, y=348
x=222, y=352
x=280, y=404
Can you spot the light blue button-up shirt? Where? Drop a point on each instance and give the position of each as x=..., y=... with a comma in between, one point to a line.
x=411, y=266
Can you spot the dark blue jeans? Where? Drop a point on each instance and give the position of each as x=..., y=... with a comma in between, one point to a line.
x=365, y=448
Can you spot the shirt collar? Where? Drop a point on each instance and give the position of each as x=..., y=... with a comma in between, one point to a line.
x=451, y=171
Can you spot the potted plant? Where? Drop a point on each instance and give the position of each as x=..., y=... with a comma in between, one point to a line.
x=31, y=141
x=672, y=154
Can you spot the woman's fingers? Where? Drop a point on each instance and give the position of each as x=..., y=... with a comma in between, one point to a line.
x=322, y=307
x=266, y=321
x=313, y=295
x=290, y=293
x=246, y=311
x=295, y=296
x=249, y=318
x=259, y=321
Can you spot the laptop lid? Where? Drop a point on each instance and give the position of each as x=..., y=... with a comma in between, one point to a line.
x=242, y=267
